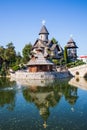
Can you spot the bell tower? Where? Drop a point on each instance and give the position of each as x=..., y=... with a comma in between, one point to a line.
x=43, y=34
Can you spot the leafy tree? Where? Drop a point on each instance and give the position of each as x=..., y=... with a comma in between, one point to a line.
x=15, y=68
x=54, y=40
x=26, y=52
x=2, y=49
x=3, y=71
x=8, y=58
x=10, y=45
x=55, y=61
x=65, y=55
x=2, y=58
x=18, y=58
x=10, y=54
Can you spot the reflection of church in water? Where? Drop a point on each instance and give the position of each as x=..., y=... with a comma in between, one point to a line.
x=46, y=97
x=43, y=97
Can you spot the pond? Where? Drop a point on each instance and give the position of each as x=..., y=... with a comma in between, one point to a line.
x=39, y=105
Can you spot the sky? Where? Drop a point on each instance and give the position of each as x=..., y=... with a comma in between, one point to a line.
x=21, y=22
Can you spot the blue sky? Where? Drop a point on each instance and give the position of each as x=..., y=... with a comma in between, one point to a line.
x=21, y=21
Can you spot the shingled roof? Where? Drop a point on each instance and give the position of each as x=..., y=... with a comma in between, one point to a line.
x=39, y=60
x=71, y=44
x=39, y=43
x=43, y=30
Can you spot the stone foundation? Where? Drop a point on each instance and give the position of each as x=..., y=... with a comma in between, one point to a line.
x=39, y=75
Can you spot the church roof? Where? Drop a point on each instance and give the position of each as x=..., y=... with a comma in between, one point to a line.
x=71, y=44
x=43, y=30
x=49, y=43
x=39, y=60
x=53, y=47
x=38, y=43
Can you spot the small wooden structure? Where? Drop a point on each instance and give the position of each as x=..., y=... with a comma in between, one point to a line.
x=39, y=63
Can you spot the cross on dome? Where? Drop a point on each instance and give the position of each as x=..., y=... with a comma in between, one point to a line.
x=71, y=35
x=43, y=22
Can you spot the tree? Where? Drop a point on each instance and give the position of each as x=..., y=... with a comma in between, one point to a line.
x=65, y=55
x=10, y=54
x=26, y=52
x=18, y=58
x=8, y=58
x=54, y=40
x=2, y=58
x=2, y=49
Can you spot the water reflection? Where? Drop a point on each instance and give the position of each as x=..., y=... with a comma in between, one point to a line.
x=49, y=96
x=43, y=94
x=7, y=95
x=31, y=83
x=79, y=83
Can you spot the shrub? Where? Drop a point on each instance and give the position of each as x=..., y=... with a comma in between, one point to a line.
x=15, y=68
x=74, y=64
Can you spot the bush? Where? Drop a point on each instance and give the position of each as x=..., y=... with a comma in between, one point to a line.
x=15, y=68
x=74, y=64
x=55, y=61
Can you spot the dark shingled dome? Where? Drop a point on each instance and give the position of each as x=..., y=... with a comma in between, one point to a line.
x=71, y=44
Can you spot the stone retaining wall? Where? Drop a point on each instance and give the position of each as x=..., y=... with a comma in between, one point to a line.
x=39, y=75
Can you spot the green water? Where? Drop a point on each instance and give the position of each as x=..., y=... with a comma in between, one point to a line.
x=54, y=106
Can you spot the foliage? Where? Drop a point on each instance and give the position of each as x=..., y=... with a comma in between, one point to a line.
x=2, y=50
x=54, y=40
x=55, y=61
x=7, y=98
x=59, y=62
x=10, y=53
x=8, y=58
x=15, y=68
x=18, y=58
x=26, y=52
x=74, y=64
x=65, y=55
x=3, y=69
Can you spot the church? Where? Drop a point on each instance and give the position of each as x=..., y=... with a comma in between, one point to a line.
x=50, y=49
x=42, y=52
x=54, y=50
x=40, y=65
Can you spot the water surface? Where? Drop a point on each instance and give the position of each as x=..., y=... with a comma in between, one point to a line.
x=39, y=105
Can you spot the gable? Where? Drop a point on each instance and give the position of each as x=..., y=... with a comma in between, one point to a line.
x=39, y=44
